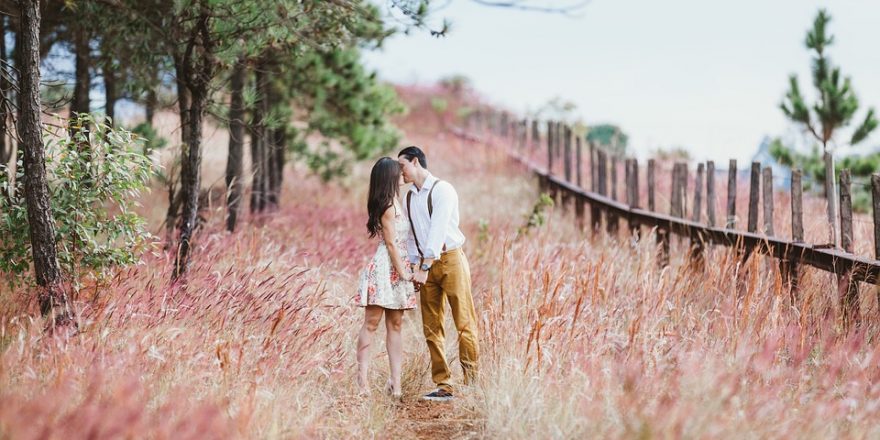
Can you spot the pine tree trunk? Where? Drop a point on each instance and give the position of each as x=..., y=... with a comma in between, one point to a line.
x=190, y=177
x=280, y=141
x=273, y=148
x=150, y=105
x=82, y=81
x=234, y=166
x=40, y=221
x=5, y=147
x=195, y=73
x=174, y=193
x=831, y=198
x=151, y=100
x=259, y=141
x=111, y=93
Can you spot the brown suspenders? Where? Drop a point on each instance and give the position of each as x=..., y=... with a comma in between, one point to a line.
x=430, y=212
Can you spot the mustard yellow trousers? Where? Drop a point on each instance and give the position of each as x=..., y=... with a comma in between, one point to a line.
x=449, y=280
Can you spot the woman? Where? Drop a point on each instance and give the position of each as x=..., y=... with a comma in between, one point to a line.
x=386, y=284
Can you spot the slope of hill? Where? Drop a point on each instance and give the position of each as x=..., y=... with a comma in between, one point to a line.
x=580, y=336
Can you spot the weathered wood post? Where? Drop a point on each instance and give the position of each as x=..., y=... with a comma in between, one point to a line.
x=731, y=195
x=612, y=219
x=595, y=212
x=676, y=208
x=754, y=189
x=768, y=200
x=697, y=240
x=547, y=186
x=632, y=192
x=790, y=269
x=710, y=193
x=848, y=287
x=536, y=135
x=603, y=172
x=578, y=162
x=875, y=191
x=567, y=162
x=651, y=188
x=566, y=139
x=579, y=201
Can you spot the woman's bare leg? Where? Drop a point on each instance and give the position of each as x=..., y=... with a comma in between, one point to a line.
x=394, y=342
x=372, y=316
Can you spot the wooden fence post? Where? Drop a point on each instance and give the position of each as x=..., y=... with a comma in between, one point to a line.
x=595, y=212
x=697, y=240
x=579, y=201
x=875, y=191
x=602, y=178
x=632, y=192
x=676, y=208
x=767, y=195
x=566, y=139
x=651, y=178
x=790, y=269
x=578, y=163
x=567, y=162
x=536, y=136
x=611, y=218
x=849, y=288
x=754, y=188
x=710, y=192
x=549, y=147
x=593, y=167
x=698, y=195
x=731, y=195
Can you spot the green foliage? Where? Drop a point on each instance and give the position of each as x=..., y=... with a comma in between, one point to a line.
x=537, y=217
x=837, y=104
x=609, y=137
x=93, y=185
x=341, y=101
x=558, y=109
x=439, y=104
x=457, y=85
x=55, y=95
x=672, y=153
x=150, y=137
x=813, y=167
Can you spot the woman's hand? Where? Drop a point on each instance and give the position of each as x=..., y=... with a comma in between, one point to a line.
x=405, y=274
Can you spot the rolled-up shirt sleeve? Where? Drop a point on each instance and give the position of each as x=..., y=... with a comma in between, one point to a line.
x=444, y=200
x=412, y=252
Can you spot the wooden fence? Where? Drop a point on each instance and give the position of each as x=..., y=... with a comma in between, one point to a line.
x=522, y=140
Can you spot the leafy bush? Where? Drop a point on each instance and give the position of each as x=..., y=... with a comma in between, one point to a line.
x=151, y=139
x=94, y=180
x=537, y=216
x=813, y=168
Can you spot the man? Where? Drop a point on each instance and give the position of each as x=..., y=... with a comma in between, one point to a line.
x=440, y=269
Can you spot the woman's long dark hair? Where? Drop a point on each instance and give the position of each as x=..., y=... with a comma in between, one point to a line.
x=383, y=189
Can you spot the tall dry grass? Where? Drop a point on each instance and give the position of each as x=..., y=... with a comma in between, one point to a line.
x=580, y=336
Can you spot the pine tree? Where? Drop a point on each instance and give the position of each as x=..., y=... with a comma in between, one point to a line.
x=835, y=108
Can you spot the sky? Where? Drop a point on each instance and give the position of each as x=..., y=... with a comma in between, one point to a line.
x=707, y=75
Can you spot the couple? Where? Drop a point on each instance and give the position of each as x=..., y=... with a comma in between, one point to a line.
x=420, y=249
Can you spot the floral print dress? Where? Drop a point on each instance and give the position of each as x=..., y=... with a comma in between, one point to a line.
x=380, y=284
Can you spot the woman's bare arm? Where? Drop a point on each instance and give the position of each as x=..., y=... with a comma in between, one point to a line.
x=389, y=234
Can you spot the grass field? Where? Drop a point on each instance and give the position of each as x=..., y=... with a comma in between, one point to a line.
x=581, y=337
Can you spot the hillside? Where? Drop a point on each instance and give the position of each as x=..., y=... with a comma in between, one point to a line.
x=580, y=336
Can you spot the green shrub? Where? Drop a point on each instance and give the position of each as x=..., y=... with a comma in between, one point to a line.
x=94, y=181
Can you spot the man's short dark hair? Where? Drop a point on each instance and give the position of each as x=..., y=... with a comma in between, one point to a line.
x=413, y=151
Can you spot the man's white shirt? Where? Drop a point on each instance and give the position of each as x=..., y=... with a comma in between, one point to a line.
x=437, y=229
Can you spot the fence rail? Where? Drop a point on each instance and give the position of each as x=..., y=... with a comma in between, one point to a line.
x=850, y=269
